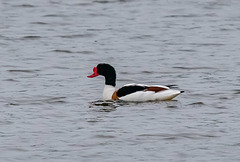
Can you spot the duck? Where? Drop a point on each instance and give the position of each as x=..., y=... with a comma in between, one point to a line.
x=131, y=92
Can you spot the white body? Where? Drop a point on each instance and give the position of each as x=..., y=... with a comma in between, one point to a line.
x=142, y=95
x=151, y=96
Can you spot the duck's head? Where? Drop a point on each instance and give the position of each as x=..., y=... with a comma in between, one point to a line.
x=107, y=71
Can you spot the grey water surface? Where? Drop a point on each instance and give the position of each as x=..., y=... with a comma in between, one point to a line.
x=50, y=111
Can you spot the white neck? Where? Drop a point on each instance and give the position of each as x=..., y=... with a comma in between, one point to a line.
x=108, y=92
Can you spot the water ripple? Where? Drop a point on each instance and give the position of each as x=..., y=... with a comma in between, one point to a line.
x=87, y=35
x=22, y=71
x=38, y=101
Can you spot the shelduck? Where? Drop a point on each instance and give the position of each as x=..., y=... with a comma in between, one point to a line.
x=131, y=92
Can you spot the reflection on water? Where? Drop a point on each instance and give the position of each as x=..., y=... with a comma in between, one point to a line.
x=106, y=106
x=112, y=104
x=50, y=110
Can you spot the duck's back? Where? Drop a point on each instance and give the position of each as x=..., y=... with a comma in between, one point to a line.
x=140, y=92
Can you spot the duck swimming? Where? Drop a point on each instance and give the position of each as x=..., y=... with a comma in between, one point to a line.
x=131, y=92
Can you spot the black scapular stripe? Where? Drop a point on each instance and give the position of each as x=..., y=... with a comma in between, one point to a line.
x=130, y=89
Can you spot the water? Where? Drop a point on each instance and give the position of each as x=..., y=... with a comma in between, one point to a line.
x=50, y=110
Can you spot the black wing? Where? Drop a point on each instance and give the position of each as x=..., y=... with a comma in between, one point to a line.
x=130, y=89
